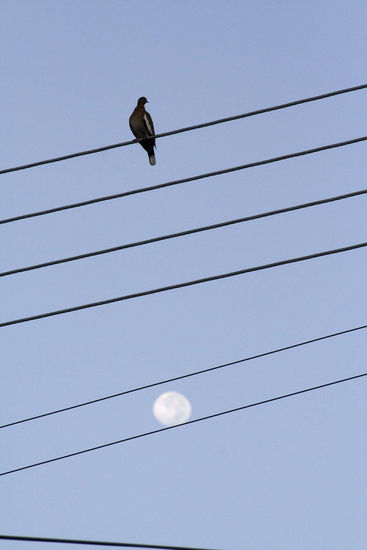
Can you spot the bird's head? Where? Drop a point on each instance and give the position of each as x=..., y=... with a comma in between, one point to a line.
x=142, y=101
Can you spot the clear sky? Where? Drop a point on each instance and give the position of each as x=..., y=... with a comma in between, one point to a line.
x=291, y=474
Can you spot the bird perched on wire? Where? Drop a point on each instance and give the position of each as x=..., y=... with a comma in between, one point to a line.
x=141, y=125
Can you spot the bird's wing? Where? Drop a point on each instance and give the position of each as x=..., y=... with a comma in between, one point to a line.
x=148, y=124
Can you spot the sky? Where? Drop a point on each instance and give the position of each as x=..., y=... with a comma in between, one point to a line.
x=283, y=475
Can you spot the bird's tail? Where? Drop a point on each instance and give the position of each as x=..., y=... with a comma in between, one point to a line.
x=152, y=159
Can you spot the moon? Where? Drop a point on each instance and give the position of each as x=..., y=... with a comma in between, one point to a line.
x=172, y=408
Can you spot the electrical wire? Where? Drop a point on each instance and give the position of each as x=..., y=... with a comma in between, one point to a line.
x=183, y=376
x=182, y=233
x=96, y=543
x=187, y=128
x=182, y=285
x=184, y=180
x=189, y=422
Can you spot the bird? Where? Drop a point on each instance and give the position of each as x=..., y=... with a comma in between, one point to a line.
x=141, y=125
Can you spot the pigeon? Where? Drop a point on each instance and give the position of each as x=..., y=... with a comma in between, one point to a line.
x=141, y=125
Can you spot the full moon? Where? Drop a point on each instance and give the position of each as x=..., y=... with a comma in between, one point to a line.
x=172, y=408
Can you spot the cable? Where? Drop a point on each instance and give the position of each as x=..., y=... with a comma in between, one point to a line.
x=176, y=378
x=184, y=180
x=182, y=285
x=182, y=233
x=96, y=543
x=210, y=416
x=187, y=128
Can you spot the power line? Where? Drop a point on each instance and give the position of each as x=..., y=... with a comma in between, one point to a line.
x=176, y=378
x=182, y=285
x=210, y=416
x=184, y=180
x=182, y=233
x=96, y=543
x=187, y=128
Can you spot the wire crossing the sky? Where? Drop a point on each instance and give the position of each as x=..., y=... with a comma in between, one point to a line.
x=182, y=233
x=189, y=422
x=183, y=285
x=97, y=543
x=185, y=180
x=188, y=128
x=189, y=375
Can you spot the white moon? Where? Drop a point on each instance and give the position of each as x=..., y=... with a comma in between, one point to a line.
x=172, y=408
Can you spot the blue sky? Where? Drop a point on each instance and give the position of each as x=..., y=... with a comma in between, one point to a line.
x=284, y=475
